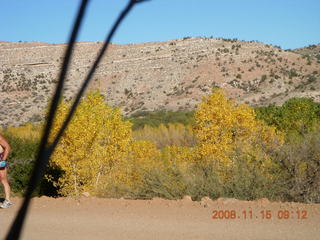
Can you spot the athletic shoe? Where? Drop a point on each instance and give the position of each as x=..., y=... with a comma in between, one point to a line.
x=6, y=203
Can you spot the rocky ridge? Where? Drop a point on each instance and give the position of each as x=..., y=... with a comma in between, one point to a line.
x=172, y=75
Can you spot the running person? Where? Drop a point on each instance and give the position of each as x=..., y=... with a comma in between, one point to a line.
x=3, y=172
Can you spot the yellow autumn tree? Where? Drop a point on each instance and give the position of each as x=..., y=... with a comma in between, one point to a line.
x=97, y=152
x=95, y=141
x=222, y=125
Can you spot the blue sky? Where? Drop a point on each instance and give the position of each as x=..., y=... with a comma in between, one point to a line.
x=286, y=23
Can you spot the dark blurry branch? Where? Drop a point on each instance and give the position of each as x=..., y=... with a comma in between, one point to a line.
x=45, y=151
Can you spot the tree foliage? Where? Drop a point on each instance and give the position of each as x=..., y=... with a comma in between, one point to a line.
x=95, y=149
x=222, y=126
x=297, y=116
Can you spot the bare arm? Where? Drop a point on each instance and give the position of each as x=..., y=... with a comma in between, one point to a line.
x=4, y=143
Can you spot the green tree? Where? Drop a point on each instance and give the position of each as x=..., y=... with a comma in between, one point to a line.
x=296, y=117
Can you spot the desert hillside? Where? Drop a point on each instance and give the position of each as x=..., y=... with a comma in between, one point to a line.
x=311, y=50
x=171, y=75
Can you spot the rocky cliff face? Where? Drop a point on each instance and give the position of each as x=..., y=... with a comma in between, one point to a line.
x=171, y=75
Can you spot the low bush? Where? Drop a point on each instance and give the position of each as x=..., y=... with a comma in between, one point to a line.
x=173, y=134
x=21, y=162
x=155, y=119
x=300, y=166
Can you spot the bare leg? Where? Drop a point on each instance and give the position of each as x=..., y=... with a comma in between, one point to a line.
x=5, y=183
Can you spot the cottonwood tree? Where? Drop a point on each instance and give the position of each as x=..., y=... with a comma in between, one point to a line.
x=95, y=143
x=222, y=127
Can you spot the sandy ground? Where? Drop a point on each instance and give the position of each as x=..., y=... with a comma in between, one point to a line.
x=94, y=218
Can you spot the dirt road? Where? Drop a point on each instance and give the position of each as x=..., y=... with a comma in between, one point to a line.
x=230, y=219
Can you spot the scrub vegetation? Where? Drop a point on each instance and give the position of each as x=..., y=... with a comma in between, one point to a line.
x=222, y=149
